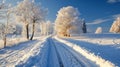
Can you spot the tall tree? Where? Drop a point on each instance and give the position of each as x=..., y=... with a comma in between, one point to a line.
x=37, y=15
x=28, y=12
x=23, y=14
x=5, y=11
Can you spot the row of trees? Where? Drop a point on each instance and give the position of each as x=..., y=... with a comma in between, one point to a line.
x=46, y=28
x=27, y=12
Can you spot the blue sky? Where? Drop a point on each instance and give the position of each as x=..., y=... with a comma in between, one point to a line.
x=95, y=12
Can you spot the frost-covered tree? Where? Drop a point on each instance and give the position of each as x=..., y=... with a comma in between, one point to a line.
x=28, y=12
x=5, y=30
x=5, y=12
x=46, y=28
x=2, y=5
x=115, y=28
x=98, y=30
x=37, y=15
x=23, y=14
x=43, y=28
x=66, y=17
x=49, y=27
x=3, y=33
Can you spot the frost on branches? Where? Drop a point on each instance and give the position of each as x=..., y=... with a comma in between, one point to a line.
x=5, y=29
x=28, y=12
x=68, y=21
x=98, y=30
x=115, y=28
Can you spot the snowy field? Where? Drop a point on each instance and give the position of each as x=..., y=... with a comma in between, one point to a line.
x=88, y=50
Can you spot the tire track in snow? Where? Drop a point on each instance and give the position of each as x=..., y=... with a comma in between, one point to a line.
x=58, y=55
x=53, y=57
x=63, y=53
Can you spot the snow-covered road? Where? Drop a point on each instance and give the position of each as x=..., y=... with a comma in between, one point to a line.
x=47, y=52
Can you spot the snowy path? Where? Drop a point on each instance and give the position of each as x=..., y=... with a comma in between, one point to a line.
x=55, y=54
x=48, y=52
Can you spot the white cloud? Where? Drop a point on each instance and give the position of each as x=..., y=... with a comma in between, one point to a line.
x=113, y=1
x=115, y=16
x=98, y=21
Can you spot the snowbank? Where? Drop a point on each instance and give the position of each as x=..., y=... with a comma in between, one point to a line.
x=99, y=39
x=91, y=56
x=12, y=41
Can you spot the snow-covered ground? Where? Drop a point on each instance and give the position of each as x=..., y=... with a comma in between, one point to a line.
x=103, y=46
x=89, y=50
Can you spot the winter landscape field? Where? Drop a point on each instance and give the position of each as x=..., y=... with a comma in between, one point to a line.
x=39, y=33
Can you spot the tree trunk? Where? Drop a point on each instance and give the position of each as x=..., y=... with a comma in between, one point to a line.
x=27, y=31
x=5, y=41
x=33, y=31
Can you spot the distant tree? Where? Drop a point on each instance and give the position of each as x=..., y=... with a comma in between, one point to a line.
x=115, y=28
x=49, y=27
x=17, y=29
x=2, y=5
x=76, y=27
x=66, y=17
x=98, y=30
x=46, y=28
x=84, y=27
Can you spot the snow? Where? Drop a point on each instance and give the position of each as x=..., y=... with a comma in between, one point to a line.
x=88, y=50
x=101, y=46
x=101, y=62
x=12, y=56
x=11, y=41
